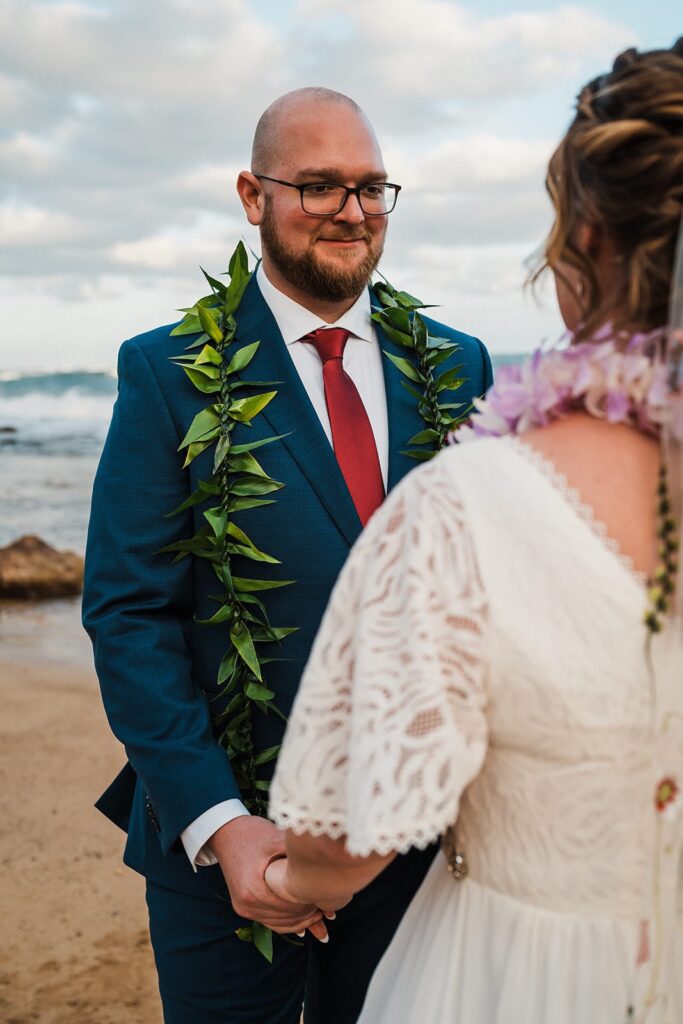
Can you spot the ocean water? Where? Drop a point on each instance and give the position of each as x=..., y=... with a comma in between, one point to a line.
x=52, y=428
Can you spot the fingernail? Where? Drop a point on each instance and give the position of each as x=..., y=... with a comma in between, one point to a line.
x=326, y=939
x=302, y=935
x=331, y=917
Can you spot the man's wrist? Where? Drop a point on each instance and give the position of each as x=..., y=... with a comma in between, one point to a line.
x=196, y=837
x=221, y=840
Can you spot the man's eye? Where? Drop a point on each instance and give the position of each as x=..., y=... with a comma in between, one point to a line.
x=320, y=190
x=373, y=191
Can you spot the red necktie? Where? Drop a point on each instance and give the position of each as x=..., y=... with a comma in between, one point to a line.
x=352, y=437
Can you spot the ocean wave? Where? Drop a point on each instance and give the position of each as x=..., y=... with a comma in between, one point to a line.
x=70, y=406
x=86, y=382
x=56, y=413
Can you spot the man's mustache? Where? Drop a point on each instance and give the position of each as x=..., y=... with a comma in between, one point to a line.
x=344, y=236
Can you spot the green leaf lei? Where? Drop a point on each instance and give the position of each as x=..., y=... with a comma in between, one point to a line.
x=402, y=324
x=238, y=482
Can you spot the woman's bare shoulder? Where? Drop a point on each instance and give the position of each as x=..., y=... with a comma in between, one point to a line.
x=614, y=468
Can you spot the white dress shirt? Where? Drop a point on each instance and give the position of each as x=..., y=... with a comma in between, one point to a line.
x=363, y=363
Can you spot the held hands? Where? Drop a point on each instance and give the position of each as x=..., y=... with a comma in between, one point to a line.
x=247, y=848
x=278, y=878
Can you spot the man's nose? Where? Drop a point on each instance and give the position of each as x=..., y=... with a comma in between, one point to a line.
x=351, y=211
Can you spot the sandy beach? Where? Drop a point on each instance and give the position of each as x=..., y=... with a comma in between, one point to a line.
x=74, y=946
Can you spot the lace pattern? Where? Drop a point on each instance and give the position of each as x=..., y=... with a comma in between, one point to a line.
x=389, y=724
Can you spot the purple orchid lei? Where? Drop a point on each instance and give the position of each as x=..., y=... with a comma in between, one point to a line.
x=614, y=377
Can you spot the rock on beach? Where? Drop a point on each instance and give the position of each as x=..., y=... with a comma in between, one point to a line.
x=32, y=569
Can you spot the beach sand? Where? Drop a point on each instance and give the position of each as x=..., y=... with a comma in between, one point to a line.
x=74, y=947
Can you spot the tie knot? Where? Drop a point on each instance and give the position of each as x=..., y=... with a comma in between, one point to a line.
x=329, y=342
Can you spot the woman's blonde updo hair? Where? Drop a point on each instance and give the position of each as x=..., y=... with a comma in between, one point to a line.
x=620, y=169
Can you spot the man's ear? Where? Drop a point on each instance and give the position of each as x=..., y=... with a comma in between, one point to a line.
x=251, y=195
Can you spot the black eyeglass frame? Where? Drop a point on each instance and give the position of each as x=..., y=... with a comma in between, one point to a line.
x=347, y=188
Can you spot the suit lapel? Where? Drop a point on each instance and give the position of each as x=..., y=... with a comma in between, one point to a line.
x=292, y=412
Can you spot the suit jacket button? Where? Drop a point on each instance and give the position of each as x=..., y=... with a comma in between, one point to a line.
x=151, y=815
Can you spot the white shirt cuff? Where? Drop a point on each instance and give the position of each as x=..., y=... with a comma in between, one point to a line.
x=198, y=832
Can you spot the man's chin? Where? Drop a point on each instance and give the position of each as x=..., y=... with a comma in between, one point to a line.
x=345, y=274
x=326, y=271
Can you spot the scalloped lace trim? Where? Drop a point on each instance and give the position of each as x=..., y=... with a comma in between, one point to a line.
x=383, y=844
x=571, y=495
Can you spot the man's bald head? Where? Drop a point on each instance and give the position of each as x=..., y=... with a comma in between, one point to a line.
x=315, y=139
x=274, y=120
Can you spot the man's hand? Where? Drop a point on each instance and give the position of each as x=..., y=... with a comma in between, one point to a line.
x=245, y=847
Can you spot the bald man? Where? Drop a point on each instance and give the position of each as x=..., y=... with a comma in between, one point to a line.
x=319, y=195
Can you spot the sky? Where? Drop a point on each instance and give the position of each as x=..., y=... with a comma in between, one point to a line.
x=123, y=126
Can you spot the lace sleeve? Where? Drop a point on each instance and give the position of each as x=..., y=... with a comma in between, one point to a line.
x=388, y=726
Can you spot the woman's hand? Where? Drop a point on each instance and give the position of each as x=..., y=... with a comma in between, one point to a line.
x=278, y=881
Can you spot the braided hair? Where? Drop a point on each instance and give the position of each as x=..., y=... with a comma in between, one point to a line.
x=619, y=168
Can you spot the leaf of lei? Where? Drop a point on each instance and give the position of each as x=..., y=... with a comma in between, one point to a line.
x=403, y=325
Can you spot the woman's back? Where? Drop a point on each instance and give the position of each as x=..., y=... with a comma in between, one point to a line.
x=614, y=469
x=572, y=872
x=561, y=814
x=485, y=646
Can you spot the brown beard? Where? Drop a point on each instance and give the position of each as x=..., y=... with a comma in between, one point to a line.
x=308, y=274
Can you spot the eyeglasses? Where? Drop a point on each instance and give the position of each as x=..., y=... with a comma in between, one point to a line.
x=325, y=199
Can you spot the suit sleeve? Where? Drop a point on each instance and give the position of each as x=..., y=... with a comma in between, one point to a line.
x=138, y=607
x=487, y=369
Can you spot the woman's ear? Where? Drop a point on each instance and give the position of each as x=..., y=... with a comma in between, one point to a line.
x=589, y=238
x=599, y=247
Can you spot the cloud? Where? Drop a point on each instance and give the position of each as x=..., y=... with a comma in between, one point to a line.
x=30, y=155
x=210, y=184
x=87, y=321
x=151, y=51
x=480, y=290
x=123, y=126
x=470, y=189
x=15, y=100
x=483, y=270
x=205, y=242
x=154, y=88
x=437, y=57
x=30, y=226
x=114, y=112
x=478, y=160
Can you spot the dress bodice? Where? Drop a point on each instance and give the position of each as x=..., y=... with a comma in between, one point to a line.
x=561, y=814
x=484, y=658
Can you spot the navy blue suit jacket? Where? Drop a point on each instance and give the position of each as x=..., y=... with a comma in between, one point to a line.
x=157, y=667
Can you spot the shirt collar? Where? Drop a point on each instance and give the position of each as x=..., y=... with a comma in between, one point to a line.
x=295, y=320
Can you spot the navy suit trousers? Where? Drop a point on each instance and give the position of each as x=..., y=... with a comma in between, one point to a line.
x=209, y=976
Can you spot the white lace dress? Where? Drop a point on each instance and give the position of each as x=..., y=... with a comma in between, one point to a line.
x=483, y=660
